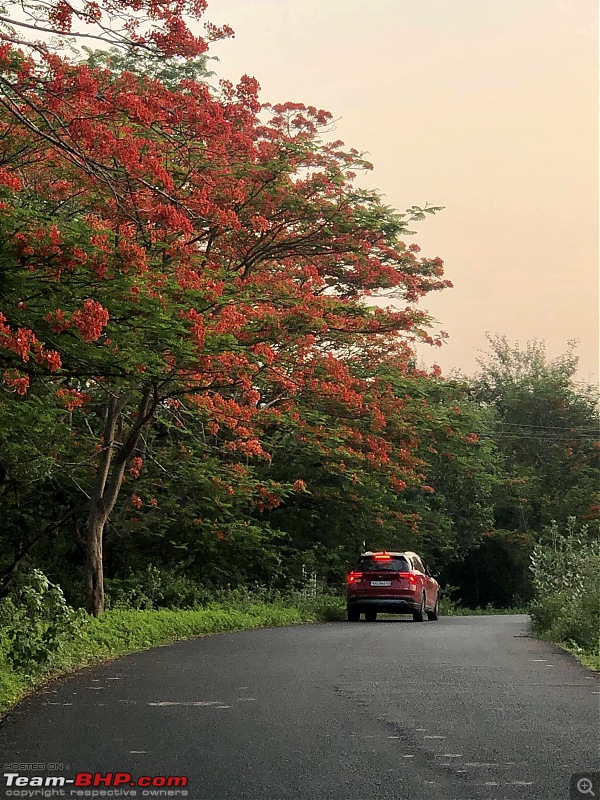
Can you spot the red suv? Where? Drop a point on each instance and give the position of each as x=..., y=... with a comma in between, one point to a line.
x=392, y=583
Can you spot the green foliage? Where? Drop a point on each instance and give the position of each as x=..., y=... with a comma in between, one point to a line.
x=546, y=428
x=35, y=622
x=449, y=608
x=567, y=619
x=156, y=588
x=197, y=521
x=169, y=71
x=566, y=560
x=460, y=466
x=566, y=575
x=350, y=500
x=37, y=492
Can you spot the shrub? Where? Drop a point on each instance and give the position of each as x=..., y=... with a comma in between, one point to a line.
x=156, y=588
x=35, y=622
x=566, y=570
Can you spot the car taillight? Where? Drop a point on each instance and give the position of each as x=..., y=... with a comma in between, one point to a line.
x=355, y=577
x=408, y=576
x=382, y=557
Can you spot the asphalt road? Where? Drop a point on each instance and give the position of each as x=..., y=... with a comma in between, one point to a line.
x=468, y=708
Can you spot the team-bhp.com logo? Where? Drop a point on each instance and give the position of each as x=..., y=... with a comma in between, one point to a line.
x=90, y=780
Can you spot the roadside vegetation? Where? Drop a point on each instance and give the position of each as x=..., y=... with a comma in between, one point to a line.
x=450, y=609
x=197, y=394
x=566, y=574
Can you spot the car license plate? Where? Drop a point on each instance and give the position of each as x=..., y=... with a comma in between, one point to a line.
x=381, y=583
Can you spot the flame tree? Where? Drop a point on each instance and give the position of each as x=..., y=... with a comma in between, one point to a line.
x=169, y=244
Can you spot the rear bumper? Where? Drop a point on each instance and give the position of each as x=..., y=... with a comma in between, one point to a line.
x=391, y=606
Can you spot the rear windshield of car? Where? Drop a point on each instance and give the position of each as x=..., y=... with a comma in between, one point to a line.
x=370, y=564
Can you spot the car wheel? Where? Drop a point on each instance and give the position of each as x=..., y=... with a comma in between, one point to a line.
x=421, y=614
x=434, y=615
x=353, y=614
x=370, y=616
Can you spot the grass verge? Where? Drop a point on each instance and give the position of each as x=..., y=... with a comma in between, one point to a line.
x=588, y=658
x=450, y=609
x=120, y=632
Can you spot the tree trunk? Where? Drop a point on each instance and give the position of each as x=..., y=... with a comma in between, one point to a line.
x=94, y=567
x=109, y=475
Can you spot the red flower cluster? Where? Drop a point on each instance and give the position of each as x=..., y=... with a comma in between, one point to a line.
x=90, y=320
x=24, y=343
x=72, y=398
x=135, y=467
x=16, y=381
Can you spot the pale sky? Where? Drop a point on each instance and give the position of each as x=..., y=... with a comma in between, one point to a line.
x=486, y=107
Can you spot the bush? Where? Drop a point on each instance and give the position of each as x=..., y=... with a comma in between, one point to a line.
x=573, y=621
x=566, y=570
x=35, y=622
x=156, y=588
